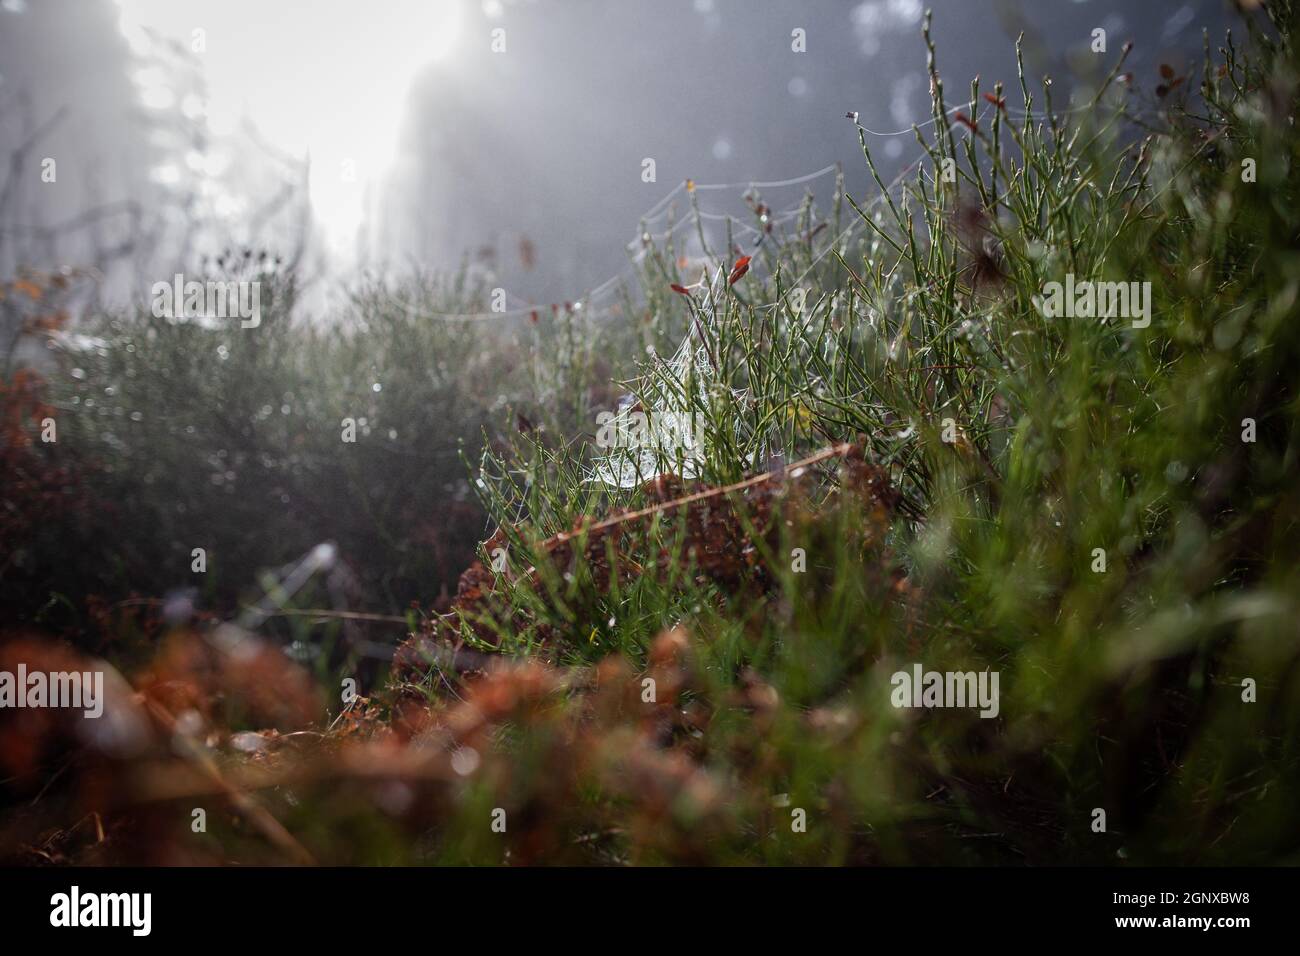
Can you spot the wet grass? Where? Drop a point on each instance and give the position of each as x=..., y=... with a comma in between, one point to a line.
x=903, y=461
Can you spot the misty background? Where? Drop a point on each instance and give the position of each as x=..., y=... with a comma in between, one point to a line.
x=352, y=138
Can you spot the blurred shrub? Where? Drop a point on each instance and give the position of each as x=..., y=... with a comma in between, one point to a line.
x=202, y=434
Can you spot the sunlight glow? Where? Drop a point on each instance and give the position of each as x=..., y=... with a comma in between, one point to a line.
x=334, y=89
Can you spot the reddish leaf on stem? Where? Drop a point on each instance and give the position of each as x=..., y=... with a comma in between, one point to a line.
x=740, y=268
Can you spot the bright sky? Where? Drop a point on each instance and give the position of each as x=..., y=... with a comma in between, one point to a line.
x=328, y=79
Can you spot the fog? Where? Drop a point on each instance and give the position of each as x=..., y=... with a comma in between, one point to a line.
x=522, y=139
